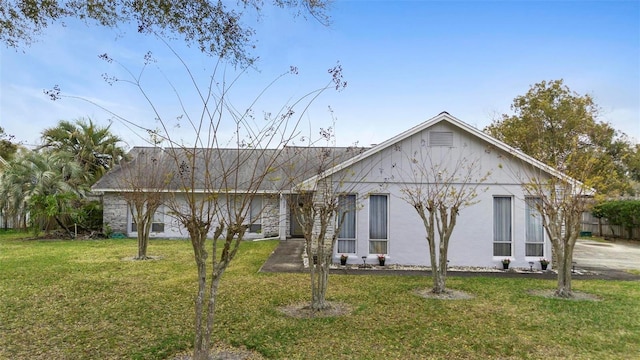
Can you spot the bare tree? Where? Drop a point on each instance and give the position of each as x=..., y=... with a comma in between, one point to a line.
x=320, y=205
x=439, y=186
x=143, y=183
x=561, y=201
x=216, y=179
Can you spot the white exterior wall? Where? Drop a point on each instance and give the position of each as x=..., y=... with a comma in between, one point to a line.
x=471, y=243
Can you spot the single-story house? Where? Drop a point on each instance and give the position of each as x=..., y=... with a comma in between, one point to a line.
x=501, y=223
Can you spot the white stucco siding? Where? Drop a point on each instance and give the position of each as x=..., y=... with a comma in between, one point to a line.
x=390, y=170
x=471, y=243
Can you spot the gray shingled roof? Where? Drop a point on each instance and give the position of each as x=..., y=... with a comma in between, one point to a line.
x=286, y=167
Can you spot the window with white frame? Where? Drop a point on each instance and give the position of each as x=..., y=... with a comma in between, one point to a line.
x=255, y=215
x=347, y=224
x=157, y=222
x=378, y=224
x=502, y=226
x=534, y=237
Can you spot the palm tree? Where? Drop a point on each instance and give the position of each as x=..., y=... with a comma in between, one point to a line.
x=45, y=185
x=93, y=147
x=13, y=185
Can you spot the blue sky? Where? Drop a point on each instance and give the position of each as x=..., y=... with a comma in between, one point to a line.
x=404, y=61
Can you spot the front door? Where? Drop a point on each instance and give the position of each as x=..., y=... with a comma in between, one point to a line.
x=295, y=228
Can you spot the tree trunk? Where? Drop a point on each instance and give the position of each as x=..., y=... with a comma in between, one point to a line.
x=565, y=263
x=600, y=227
x=213, y=293
x=198, y=236
x=144, y=228
x=435, y=273
x=71, y=235
x=200, y=348
x=142, y=248
x=440, y=282
x=320, y=282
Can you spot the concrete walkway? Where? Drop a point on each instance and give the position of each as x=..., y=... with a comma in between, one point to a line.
x=619, y=255
x=287, y=258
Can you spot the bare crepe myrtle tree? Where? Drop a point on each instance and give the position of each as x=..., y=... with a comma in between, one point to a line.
x=215, y=180
x=143, y=184
x=560, y=201
x=321, y=203
x=438, y=186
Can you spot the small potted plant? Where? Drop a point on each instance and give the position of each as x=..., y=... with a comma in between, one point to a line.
x=505, y=263
x=381, y=259
x=543, y=263
x=343, y=259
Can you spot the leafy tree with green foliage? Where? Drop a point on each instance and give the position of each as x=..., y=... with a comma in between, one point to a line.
x=625, y=213
x=214, y=27
x=633, y=163
x=558, y=127
x=7, y=147
x=93, y=147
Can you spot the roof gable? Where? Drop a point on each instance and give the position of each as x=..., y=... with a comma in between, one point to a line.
x=455, y=122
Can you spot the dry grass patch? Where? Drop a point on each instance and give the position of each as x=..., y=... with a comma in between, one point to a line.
x=449, y=294
x=225, y=352
x=304, y=311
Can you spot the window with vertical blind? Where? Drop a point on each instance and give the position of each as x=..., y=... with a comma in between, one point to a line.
x=347, y=218
x=502, y=226
x=255, y=215
x=378, y=224
x=157, y=222
x=534, y=238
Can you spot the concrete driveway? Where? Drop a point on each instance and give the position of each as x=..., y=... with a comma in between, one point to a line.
x=619, y=255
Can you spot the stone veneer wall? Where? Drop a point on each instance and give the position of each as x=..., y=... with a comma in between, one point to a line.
x=115, y=212
x=322, y=190
x=271, y=215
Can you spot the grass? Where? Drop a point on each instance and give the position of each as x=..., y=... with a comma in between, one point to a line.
x=80, y=300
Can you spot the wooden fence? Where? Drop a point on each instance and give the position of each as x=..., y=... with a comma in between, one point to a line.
x=600, y=227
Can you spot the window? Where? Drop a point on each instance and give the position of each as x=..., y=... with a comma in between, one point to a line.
x=440, y=138
x=502, y=235
x=534, y=239
x=347, y=234
x=157, y=224
x=378, y=224
x=255, y=215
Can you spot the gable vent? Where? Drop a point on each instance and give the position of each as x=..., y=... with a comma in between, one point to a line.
x=441, y=138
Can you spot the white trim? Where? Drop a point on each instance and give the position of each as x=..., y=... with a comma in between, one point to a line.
x=355, y=217
x=493, y=219
x=369, y=239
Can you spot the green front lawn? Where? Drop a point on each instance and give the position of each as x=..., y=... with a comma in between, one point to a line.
x=81, y=300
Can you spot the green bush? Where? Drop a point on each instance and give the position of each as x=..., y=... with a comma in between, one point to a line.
x=625, y=213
